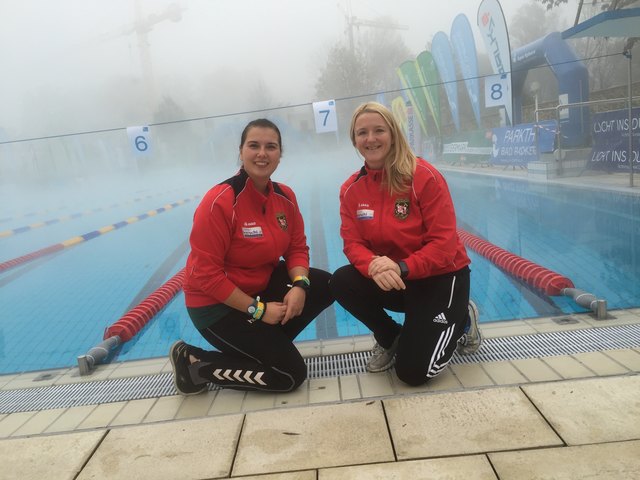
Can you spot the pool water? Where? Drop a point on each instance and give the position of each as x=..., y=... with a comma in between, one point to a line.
x=57, y=307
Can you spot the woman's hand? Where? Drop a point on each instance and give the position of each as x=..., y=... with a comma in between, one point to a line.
x=274, y=313
x=386, y=273
x=389, y=280
x=294, y=302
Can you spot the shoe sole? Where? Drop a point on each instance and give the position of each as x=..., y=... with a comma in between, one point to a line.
x=173, y=366
x=382, y=369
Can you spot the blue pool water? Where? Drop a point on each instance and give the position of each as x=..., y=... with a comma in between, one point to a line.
x=57, y=307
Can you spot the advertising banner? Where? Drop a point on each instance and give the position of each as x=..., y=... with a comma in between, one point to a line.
x=467, y=148
x=408, y=73
x=517, y=145
x=430, y=79
x=464, y=48
x=610, y=134
x=442, y=55
x=493, y=29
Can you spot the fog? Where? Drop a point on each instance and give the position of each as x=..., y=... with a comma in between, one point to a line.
x=77, y=73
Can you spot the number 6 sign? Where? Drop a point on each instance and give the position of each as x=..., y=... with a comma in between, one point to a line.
x=139, y=138
x=325, y=116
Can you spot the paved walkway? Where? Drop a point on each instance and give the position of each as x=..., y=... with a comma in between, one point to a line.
x=557, y=417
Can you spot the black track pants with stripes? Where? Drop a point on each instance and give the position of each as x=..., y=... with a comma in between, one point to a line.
x=435, y=308
x=259, y=356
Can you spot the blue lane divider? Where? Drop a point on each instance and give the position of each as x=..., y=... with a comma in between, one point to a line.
x=88, y=236
x=26, y=228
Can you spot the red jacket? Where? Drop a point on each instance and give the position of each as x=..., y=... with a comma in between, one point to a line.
x=417, y=226
x=238, y=238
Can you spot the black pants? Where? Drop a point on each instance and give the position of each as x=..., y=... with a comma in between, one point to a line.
x=435, y=308
x=259, y=356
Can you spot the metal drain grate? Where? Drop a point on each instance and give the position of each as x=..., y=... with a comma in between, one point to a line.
x=161, y=385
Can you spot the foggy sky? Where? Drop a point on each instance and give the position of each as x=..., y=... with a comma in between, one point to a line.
x=75, y=65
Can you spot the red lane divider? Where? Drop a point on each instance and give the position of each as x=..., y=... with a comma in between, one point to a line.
x=136, y=318
x=548, y=281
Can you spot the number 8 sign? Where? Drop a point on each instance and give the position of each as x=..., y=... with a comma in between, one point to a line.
x=324, y=114
x=496, y=90
x=139, y=138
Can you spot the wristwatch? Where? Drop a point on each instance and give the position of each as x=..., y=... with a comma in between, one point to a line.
x=253, y=307
x=404, y=270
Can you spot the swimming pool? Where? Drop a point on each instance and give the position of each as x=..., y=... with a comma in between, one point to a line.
x=56, y=308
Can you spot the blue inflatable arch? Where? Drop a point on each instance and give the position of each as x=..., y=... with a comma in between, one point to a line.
x=573, y=80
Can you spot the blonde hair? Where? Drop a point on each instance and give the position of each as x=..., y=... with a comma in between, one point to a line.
x=400, y=165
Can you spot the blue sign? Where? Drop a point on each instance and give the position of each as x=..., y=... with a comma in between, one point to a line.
x=517, y=145
x=610, y=134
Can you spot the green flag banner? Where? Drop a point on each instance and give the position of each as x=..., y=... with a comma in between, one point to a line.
x=408, y=73
x=430, y=79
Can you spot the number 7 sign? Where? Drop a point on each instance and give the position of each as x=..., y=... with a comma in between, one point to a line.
x=324, y=114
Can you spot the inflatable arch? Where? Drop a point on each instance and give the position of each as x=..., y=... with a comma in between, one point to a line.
x=573, y=83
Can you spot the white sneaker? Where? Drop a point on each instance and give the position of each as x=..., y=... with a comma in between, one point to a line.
x=381, y=358
x=471, y=339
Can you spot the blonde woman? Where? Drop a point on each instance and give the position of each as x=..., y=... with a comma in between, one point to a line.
x=399, y=233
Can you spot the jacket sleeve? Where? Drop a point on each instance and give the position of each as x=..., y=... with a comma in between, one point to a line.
x=440, y=238
x=210, y=239
x=297, y=255
x=356, y=248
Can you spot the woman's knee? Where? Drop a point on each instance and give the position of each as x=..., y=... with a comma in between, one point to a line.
x=341, y=280
x=411, y=374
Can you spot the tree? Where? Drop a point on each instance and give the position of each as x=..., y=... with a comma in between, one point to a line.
x=368, y=68
x=530, y=23
x=604, y=5
x=343, y=74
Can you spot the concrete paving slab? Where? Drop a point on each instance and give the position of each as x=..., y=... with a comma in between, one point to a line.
x=313, y=437
x=591, y=410
x=51, y=456
x=610, y=461
x=306, y=475
x=474, y=467
x=187, y=449
x=464, y=423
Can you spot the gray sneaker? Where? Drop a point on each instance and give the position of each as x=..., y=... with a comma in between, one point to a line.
x=471, y=339
x=381, y=358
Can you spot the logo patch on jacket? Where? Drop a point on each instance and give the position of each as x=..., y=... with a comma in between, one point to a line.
x=252, y=232
x=364, y=214
x=282, y=221
x=401, y=208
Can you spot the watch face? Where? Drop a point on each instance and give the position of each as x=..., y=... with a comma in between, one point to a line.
x=251, y=309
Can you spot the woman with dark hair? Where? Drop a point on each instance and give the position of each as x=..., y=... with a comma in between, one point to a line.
x=399, y=233
x=248, y=287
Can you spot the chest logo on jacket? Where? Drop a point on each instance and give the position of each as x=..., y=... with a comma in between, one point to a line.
x=252, y=232
x=282, y=221
x=401, y=208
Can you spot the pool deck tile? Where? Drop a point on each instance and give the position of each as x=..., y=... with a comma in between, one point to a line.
x=183, y=449
x=613, y=461
x=568, y=367
x=54, y=456
x=503, y=373
x=476, y=467
x=600, y=363
x=464, y=423
x=324, y=390
x=628, y=358
x=313, y=437
x=590, y=411
x=471, y=375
